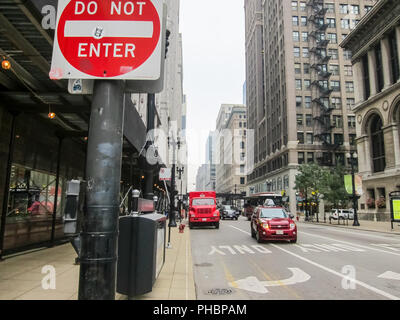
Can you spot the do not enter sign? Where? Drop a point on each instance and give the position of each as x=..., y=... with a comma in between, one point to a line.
x=119, y=39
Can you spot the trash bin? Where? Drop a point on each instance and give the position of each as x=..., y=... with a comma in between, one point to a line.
x=141, y=253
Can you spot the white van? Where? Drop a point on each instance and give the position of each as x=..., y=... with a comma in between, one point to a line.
x=341, y=214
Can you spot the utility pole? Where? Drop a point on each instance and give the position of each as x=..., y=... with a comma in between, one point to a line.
x=99, y=237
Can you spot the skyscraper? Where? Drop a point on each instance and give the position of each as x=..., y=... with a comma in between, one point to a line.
x=308, y=87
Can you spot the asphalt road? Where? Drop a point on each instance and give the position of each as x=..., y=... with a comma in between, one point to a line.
x=327, y=263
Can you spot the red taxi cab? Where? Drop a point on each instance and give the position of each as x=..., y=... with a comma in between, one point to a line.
x=273, y=223
x=203, y=209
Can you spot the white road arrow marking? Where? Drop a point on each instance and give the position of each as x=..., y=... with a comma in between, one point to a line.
x=390, y=275
x=252, y=284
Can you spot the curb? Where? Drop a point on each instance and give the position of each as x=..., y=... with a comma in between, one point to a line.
x=350, y=227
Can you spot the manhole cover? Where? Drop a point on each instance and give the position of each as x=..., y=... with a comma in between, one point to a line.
x=205, y=264
x=220, y=292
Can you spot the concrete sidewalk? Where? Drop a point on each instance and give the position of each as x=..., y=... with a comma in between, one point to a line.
x=21, y=276
x=366, y=225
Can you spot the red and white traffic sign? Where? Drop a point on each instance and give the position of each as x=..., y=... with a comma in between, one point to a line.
x=101, y=39
x=165, y=174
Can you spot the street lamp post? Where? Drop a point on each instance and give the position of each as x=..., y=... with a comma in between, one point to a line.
x=172, y=218
x=352, y=157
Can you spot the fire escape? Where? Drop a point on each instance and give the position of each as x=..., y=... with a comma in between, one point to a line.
x=320, y=76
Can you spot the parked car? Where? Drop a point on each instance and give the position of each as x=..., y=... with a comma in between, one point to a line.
x=273, y=223
x=336, y=214
x=229, y=212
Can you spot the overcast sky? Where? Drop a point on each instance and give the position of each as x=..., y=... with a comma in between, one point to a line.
x=213, y=67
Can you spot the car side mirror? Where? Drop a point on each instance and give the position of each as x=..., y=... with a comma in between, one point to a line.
x=291, y=216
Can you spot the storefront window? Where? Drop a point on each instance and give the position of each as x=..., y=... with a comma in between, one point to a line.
x=30, y=207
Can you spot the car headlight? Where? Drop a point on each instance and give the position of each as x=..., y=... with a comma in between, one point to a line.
x=265, y=226
x=292, y=226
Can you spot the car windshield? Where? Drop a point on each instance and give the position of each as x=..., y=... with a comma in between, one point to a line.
x=273, y=213
x=227, y=208
x=203, y=202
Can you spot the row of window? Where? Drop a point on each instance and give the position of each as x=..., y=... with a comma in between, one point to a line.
x=334, y=69
x=336, y=102
x=337, y=120
x=327, y=157
x=305, y=84
x=333, y=53
x=343, y=8
x=331, y=22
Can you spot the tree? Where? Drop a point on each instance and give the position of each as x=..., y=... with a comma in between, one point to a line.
x=309, y=181
x=333, y=187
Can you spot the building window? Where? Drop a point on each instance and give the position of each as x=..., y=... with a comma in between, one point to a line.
x=310, y=157
x=345, y=23
x=298, y=84
x=303, y=6
x=349, y=86
x=242, y=180
x=351, y=121
x=338, y=121
x=300, y=137
x=367, y=88
x=348, y=70
x=332, y=37
x=335, y=85
x=294, y=5
x=307, y=102
x=308, y=120
x=303, y=21
x=309, y=138
x=378, y=146
x=350, y=102
x=331, y=22
x=299, y=101
x=394, y=58
x=330, y=7
x=296, y=52
x=333, y=53
x=355, y=9
x=306, y=53
x=352, y=139
x=295, y=21
x=297, y=68
x=343, y=8
x=299, y=118
x=336, y=102
x=304, y=36
x=334, y=69
x=338, y=139
x=347, y=54
x=300, y=157
x=307, y=84
x=379, y=67
x=306, y=68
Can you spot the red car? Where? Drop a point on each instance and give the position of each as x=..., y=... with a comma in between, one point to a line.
x=273, y=223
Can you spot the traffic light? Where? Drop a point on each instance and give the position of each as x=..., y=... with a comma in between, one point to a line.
x=168, y=33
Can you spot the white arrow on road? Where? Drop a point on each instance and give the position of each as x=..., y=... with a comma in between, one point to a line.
x=254, y=285
x=390, y=275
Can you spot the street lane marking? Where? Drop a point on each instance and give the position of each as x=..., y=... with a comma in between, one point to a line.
x=387, y=246
x=350, y=243
x=362, y=284
x=390, y=275
x=252, y=284
x=333, y=247
x=241, y=249
x=359, y=232
x=266, y=276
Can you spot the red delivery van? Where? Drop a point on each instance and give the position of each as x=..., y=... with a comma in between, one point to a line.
x=203, y=209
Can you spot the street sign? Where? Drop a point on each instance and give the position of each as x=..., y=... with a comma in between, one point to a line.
x=165, y=174
x=108, y=39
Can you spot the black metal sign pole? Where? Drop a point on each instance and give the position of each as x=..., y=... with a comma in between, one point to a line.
x=149, y=179
x=100, y=226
